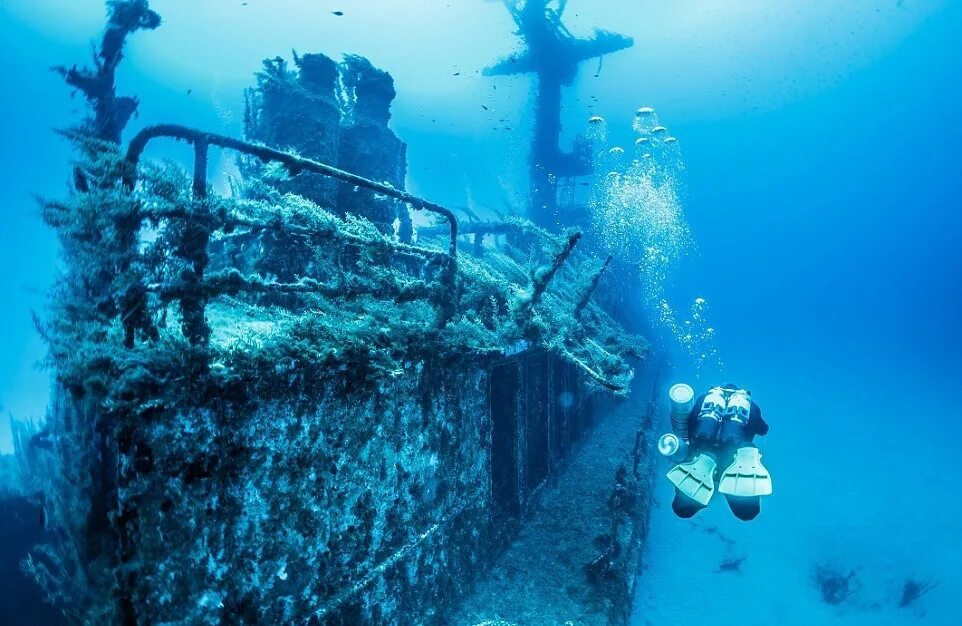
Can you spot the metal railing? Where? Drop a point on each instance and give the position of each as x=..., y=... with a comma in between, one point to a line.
x=294, y=164
x=194, y=288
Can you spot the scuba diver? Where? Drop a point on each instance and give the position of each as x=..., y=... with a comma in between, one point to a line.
x=721, y=422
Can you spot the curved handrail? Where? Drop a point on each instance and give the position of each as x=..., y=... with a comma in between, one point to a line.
x=294, y=165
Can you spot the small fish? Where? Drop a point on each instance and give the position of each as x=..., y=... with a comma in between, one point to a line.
x=337, y=13
x=190, y=91
x=457, y=73
x=484, y=107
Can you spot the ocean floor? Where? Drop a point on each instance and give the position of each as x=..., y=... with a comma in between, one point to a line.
x=876, y=522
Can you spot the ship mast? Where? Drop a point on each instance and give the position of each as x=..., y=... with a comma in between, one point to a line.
x=553, y=54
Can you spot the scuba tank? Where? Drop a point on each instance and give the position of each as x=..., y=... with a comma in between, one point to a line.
x=735, y=416
x=682, y=400
x=710, y=415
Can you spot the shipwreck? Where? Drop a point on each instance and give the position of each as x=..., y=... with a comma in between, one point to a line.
x=289, y=405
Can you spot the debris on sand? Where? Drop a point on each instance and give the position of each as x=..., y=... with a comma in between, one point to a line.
x=835, y=585
x=914, y=589
x=731, y=564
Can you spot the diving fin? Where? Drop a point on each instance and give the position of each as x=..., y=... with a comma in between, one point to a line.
x=746, y=477
x=696, y=478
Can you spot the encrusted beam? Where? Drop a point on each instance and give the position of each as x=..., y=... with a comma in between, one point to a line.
x=596, y=376
x=541, y=277
x=477, y=228
x=226, y=221
x=232, y=282
x=592, y=287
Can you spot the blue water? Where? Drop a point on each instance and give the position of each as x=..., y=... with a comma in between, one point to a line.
x=822, y=150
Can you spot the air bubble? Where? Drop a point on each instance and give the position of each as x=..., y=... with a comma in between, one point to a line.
x=636, y=207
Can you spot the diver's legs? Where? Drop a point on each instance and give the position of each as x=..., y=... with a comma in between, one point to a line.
x=745, y=508
x=685, y=507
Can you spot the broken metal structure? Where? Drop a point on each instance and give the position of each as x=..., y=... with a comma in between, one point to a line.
x=350, y=436
x=553, y=54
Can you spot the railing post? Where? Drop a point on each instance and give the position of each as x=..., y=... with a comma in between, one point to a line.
x=193, y=249
x=200, y=168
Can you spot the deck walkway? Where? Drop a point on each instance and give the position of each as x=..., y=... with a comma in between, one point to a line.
x=545, y=576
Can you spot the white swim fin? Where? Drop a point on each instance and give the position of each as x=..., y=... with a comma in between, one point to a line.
x=746, y=477
x=696, y=478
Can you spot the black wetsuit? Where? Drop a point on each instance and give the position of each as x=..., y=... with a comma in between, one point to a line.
x=743, y=508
